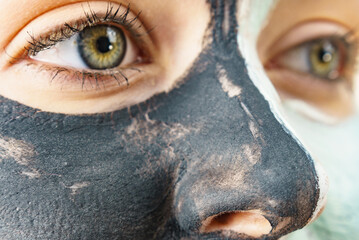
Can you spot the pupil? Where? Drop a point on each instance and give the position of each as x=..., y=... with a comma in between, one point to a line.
x=103, y=45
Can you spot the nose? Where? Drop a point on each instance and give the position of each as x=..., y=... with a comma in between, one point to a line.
x=230, y=197
x=250, y=178
x=239, y=172
x=233, y=196
x=247, y=176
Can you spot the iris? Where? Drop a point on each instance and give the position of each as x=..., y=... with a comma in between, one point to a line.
x=325, y=59
x=102, y=46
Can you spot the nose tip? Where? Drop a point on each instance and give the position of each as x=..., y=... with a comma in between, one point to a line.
x=250, y=223
x=226, y=203
x=231, y=215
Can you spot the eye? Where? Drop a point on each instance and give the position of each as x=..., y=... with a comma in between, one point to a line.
x=97, y=47
x=325, y=58
x=89, y=57
x=101, y=52
x=96, y=43
x=315, y=62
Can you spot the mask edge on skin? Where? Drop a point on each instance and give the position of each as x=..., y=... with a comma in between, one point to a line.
x=248, y=32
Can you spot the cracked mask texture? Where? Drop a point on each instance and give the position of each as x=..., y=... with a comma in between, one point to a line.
x=159, y=169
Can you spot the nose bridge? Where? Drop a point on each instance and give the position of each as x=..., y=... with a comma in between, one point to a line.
x=224, y=26
x=247, y=159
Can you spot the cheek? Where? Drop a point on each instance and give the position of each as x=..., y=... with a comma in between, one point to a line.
x=333, y=144
x=61, y=173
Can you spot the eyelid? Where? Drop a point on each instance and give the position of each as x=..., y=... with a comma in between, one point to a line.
x=56, y=19
x=66, y=55
x=30, y=82
x=331, y=96
x=297, y=59
x=303, y=32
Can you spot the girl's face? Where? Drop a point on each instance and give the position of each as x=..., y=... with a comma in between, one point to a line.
x=157, y=120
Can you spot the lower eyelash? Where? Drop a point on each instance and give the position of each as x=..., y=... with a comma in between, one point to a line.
x=95, y=79
x=92, y=78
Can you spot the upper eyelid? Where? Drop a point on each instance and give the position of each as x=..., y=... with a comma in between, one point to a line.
x=92, y=18
x=307, y=43
x=295, y=37
x=57, y=18
x=351, y=50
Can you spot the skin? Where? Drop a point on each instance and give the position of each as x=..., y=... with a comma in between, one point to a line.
x=168, y=63
x=201, y=155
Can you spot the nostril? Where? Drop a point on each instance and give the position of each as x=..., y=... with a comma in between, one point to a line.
x=250, y=223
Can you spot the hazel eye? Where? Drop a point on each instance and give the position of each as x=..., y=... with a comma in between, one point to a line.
x=313, y=63
x=102, y=47
x=90, y=57
x=97, y=47
x=324, y=58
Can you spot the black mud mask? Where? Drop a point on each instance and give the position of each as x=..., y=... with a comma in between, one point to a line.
x=158, y=170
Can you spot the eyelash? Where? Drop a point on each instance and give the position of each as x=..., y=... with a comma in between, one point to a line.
x=92, y=19
x=351, y=44
x=93, y=77
x=68, y=30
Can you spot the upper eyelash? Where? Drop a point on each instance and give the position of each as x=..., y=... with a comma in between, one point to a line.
x=68, y=30
x=349, y=38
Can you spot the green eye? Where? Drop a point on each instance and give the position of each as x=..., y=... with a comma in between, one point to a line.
x=325, y=59
x=102, y=47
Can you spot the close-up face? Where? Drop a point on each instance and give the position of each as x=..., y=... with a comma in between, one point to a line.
x=188, y=119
